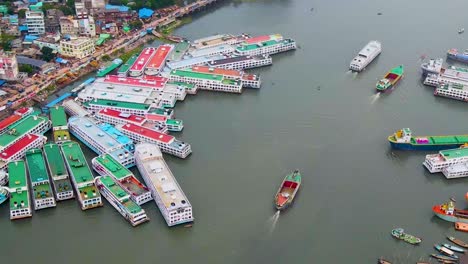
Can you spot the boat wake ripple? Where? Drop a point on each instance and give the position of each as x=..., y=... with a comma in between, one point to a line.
x=374, y=98
x=271, y=224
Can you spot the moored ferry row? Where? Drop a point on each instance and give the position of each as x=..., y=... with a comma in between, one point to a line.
x=42, y=194
x=207, y=81
x=142, y=60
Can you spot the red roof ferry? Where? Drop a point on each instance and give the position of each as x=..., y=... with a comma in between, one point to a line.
x=24, y=111
x=263, y=38
x=115, y=117
x=158, y=61
x=141, y=62
x=18, y=149
x=146, y=83
x=10, y=120
x=167, y=143
x=248, y=80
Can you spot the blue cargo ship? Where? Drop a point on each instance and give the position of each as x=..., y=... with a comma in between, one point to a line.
x=403, y=140
x=455, y=55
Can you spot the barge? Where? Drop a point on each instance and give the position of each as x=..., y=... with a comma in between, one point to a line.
x=403, y=140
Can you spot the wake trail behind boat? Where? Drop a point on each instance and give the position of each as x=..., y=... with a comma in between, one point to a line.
x=272, y=222
x=374, y=98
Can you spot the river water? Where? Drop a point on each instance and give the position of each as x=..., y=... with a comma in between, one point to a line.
x=310, y=114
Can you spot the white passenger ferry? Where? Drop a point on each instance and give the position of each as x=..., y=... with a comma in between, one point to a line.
x=168, y=195
x=453, y=90
x=453, y=163
x=366, y=56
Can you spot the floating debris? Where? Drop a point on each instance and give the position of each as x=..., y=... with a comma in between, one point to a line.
x=312, y=9
x=379, y=13
x=461, y=30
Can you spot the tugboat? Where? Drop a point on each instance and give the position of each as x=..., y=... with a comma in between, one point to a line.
x=3, y=194
x=390, y=79
x=288, y=189
x=448, y=212
x=399, y=233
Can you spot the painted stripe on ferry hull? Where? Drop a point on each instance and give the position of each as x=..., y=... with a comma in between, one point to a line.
x=409, y=146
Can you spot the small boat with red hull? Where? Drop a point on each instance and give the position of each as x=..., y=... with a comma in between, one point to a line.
x=448, y=212
x=288, y=189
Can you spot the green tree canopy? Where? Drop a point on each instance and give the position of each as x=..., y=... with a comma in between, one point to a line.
x=47, y=54
x=5, y=41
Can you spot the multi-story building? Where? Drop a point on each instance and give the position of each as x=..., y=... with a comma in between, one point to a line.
x=52, y=20
x=77, y=48
x=47, y=42
x=86, y=25
x=35, y=22
x=68, y=26
x=8, y=66
x=90, y=6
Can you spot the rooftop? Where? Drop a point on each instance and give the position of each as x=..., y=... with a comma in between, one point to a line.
x=161, y=176
x=160, y=56
x=258, y=45
x=156, y=117
x=77, y=162
x=197, y=75
x=122, y=116
x=20, y=128
x=143, y=59
x=55, y=160
x=184, y=84
x=116, y=169
x=115, y=133
x=58, y=116
x=454, y=153
x=120, y=194
x=179, y=51
x=221, y=49
x=126, y=66
x=174, y=122
x=8, y=121
x=155, y=84
x=87, y=126
x=36, y=166
x=118, y=104
x=263, y=38
x=18, y=146
x=235, y=59
x=148, y=133
x=193, y=61
x=214, y=70
x=17, y=184
x=118, y=92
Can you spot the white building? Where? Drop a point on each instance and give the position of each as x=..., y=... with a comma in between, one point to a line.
x=77, y=48
x=35, y=22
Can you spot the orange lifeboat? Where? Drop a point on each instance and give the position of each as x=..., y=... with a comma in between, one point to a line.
x=461, y=226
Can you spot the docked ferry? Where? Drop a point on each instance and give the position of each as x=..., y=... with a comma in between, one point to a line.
x=19, y=193
x=73, y=108
x=454, y=54
x=18, y=149
x=207, y=81
x=449, y=75
x=106, y=165
x=120, y=200
x=123, y=70
x=97, y=139
x=453, y=90
x=58, y=172
x=189, y=88
x=81, y=175
x=403, y=140
x=366, y=56
x=59, y=124
x=268, y=47
x=248, y=80
x=242, y=62
x=217, y=40
x=169, y=197
x=109, y=67
x=116, y=117
x=433, y=66
x=158, y=61
x=43, y=196
x=15, y=118
x=167, y=143
x=141, y=62
x=453, y=163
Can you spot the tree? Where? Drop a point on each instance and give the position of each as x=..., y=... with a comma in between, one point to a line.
x=22, y=13
x=136, y=24
x=26, y=68
x=47, y=54
x=5, y=41
x=106, y=58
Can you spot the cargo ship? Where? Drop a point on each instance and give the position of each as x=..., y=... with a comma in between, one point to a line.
x=58, y=172
x=390, y=79
x=19, y=193
x=454, y=54
x=448, y=212
x=123, y=70
x=433, y=66
x=169, y=197
x=403, y=140
x=59, y=124
x=366, y=56
x=81, y=175
x=106, y=165
x=43, y=196
x=120, y=200
x=109, y=67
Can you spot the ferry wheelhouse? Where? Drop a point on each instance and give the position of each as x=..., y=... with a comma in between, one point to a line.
x=453, y=91
x=158, y=61
x=81, y=175
x=19, y=193
x=207, y=81
x=268, y=47
x=43, y=196
x=59, y=124
x=99, y=141
x=121, y=201
x=248, y=80
x=169, y=197
x=167, y=143
x=58, y=172
x=453, y=163
x=18, y=149
x=242, y=62
x=106, y=165
x=138, y=67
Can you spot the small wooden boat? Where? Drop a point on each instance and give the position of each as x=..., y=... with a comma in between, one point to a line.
x=461, y=226
x=445, y=251
x=390, y=79
x=400, y=234
x=457, y=242
x=443, y=258
x=383, y=261
x=454, y=248
x=288, y=189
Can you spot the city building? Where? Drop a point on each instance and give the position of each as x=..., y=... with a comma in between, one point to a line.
x=90, y=6
x=68, y=26
x=77, y=48
x=8, y=66
x=35, y=22
x=86, y=25
x=52, y=20
x=47, y=42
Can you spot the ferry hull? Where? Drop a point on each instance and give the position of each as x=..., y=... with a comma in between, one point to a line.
x=409, y=146
x=449, y=218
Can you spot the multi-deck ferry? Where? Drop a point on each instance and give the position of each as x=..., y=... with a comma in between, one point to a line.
x=196, y=61
x=32, y=124
x=18, y=149
x=117, y=135
x=167, y=143
x=116, y=117
x=120, y=200
x=453, y=163
x=158, y=61
x=43, y=196
x=217, y=50
x=450, y=75
x=123, y=70
x=189, y=88
x=73, y=108
x=207, y=81
x=217, y=40
x=242, y=62
x=141, y=62
x=13, y=119
x=58, y=172
x=106, y=165
x=169, y=197
x=154, y=82
x=81, y=175
x=179, y=51
x=93, y=136
x=248, y=80
x=178, y=91
x=453, y=90
x=175, y=125
x=403, y=139
x=59, y=124
x=19, y=193
x=268, y=45
x=109, y=67
x=366, y=56
x=433, y=66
